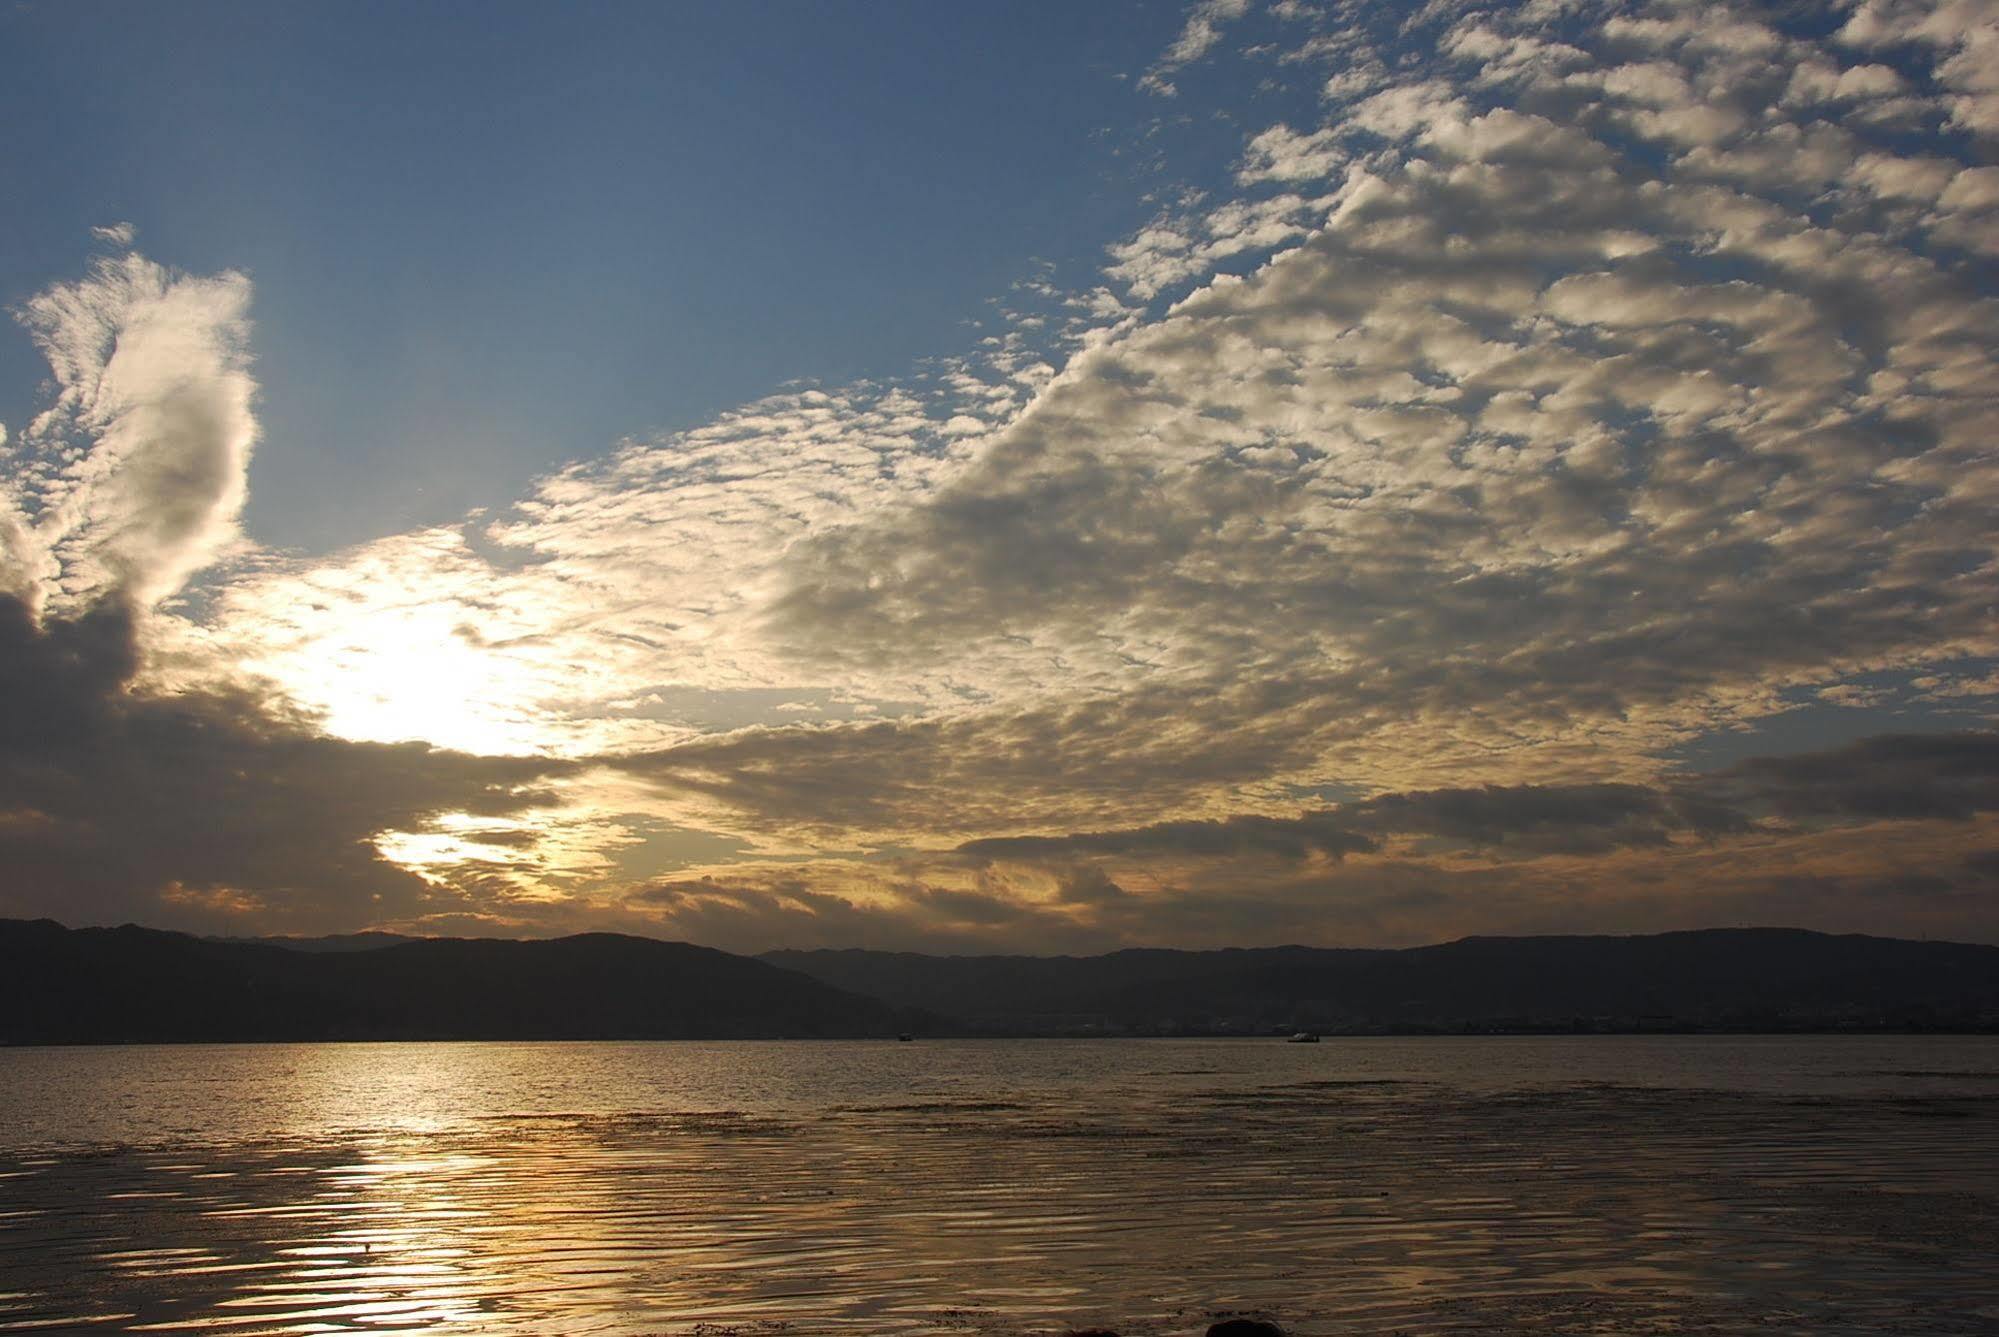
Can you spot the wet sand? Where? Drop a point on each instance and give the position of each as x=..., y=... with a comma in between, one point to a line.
x=1332, y=1204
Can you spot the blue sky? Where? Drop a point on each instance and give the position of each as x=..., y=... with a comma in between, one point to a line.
x=490, y=238
x=1007, y=476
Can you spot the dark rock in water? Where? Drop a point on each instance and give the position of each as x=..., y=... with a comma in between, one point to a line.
x=1244, y=1327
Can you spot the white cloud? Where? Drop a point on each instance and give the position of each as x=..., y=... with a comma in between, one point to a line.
x=1972, y=188
x=1489, y=477
x=1202, y=31
x=645, y=569
x=1963, y=34
x=1282, y=154
x=133, y=478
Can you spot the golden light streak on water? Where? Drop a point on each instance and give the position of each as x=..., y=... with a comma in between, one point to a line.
x=987, y=1189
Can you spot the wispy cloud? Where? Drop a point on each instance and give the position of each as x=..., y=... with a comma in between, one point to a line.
x=133, y=478
x=1203, y=31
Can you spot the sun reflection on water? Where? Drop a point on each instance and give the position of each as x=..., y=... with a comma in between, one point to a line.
x=1356, y=1205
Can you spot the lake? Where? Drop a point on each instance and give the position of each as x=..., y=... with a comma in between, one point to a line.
x=1435, y=1185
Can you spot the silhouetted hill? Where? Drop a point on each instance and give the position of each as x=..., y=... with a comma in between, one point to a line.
x=332, y=942
x=1711, y=979
x=60, y=985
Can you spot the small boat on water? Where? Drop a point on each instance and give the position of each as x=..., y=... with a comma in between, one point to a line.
x=1303, y=1038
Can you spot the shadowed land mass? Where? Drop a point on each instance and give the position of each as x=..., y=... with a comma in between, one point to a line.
x=135, y=984
x=132, y=984
x=1721, y=979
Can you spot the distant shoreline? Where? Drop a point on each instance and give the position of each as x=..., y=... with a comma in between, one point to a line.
x=132, y=985
x=1543, y=1034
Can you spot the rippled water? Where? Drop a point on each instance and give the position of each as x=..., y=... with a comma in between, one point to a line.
x=1589, y=1185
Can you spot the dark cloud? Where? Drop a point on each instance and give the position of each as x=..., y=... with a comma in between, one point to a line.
x=1894, y=777
x=1912, y=777
x=1525, y=819
x=1321, y=833
x=1539, y=819
x=990, y=771
x=1089, y=885
x=1891, y=834
x=111, y=801
x=55, y=683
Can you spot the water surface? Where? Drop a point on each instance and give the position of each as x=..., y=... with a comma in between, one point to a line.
x=1585, y=1185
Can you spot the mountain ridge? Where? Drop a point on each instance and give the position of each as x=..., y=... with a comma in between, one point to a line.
x=92, y=985
x=1727, y=978
x=95, y=985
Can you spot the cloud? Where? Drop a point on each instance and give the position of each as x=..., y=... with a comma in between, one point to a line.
x=1906, y=777
x=133, y=478
x=1950, y=777
x=1282, y=154
x=1549, y=388
x=1575, y=430
x=1962, y=34
x=1944, y=777
x=1816, y=838
x=1202, y=31
x=545, y=627
x=1527, y=820
x=207, y=808
x=976, y=772
x=1321, y=834
x=1548, y=819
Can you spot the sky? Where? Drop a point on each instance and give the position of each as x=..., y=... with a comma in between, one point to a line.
x=1011, y=477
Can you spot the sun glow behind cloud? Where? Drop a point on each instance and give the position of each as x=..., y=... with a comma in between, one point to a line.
x=402, y=673
x=456, y=842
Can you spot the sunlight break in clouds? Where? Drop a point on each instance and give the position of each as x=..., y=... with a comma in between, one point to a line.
x=1361, y=560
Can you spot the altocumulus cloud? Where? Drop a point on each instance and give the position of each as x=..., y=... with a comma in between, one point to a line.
x=1584, y=381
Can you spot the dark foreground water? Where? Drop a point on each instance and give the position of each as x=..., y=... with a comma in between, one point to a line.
x=1590, y=1185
